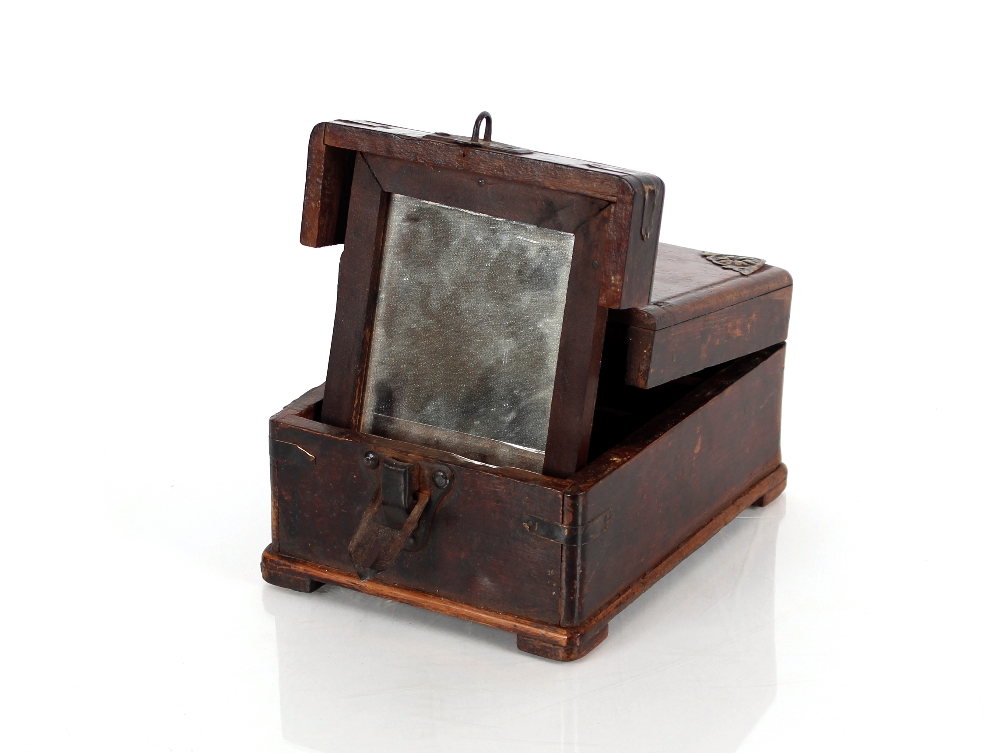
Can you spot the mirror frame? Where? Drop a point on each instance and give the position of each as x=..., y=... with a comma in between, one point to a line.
x=347, y=197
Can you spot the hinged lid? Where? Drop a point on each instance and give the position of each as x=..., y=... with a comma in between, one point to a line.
x=705, y=309
x=635, y=199
x=474, y=287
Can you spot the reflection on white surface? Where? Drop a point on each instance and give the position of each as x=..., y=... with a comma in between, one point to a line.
x=690, y=666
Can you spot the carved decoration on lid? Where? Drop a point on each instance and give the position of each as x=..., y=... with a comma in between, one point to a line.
x=745, y=265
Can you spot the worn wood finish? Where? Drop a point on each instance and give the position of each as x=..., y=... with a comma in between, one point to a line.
x=636, y=198
x=770, y=486
x=686, y=285
x=668, y=487
x=672, y=476
x=357, y=291
x=701, y=315
x=656, y=357
x=544, y=207
x=539, y=638
x=375, y=178
x=775, y=491
x=329, y=172
x=664, y=423
x=323, y=488
x=582, y=338
x=578, y=367
x=577, y=645
x=279, y=568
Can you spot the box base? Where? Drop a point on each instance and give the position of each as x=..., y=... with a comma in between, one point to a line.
x=542, y=639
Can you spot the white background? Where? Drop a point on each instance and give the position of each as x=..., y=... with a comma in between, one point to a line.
x=157, y=308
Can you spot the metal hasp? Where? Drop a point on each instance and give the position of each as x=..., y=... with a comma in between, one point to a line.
x=399, y=516
x=398, y=498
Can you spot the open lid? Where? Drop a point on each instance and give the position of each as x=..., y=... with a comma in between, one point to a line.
x=704, y=309
x=474, y=287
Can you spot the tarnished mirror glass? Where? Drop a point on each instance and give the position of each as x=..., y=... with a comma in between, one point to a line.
x=466, y=332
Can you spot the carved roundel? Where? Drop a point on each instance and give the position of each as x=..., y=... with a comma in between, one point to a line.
x=745, y=265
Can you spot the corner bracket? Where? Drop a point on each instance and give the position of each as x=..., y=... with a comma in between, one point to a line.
x=568, y=535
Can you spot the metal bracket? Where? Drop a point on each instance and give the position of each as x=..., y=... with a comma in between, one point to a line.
x=399, y=516
x=568, y=535
x=648, y=205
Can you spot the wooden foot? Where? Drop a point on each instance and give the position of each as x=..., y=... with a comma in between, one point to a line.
x=577, y=646
x=288, y=579
x=781, y=481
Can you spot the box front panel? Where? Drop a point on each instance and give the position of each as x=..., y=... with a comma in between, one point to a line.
x=478, y=551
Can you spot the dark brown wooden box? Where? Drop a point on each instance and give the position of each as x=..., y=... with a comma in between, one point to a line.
x=551, y=560
x=665, y=412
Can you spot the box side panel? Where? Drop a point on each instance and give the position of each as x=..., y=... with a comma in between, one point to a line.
x=673, y=352
x=478, y=551
x=718, y=443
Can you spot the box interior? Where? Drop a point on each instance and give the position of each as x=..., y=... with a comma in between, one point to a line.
x=620, y=411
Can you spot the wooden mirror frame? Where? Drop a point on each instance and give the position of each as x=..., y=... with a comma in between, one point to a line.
x=614, y=216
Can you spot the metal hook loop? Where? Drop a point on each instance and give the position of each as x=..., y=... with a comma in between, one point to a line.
x=488, y=135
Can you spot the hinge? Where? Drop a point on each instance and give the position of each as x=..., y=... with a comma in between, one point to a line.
x=648, y=205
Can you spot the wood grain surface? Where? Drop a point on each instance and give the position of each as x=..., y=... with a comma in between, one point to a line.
x=700, y=315
x=628, y=255
x=375, y=178
x=666, y=488
x=671, y=476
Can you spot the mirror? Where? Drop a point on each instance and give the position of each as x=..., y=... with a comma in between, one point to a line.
x=466, y=332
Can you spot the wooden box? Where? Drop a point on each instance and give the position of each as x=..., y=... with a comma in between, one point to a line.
x=665, y=429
